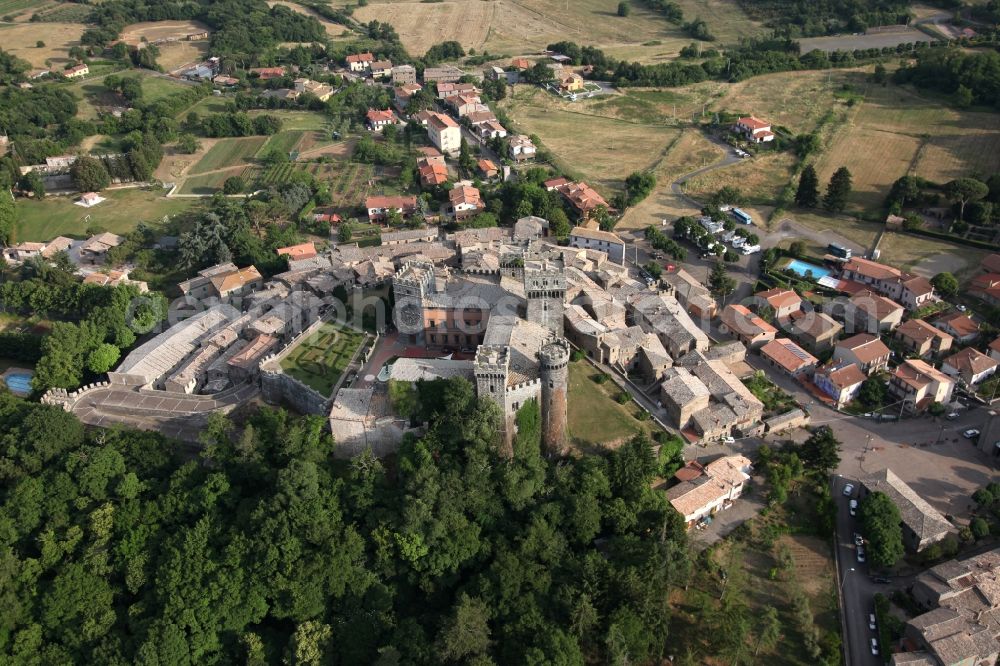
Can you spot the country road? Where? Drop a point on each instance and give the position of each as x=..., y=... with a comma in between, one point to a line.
x=678, y=185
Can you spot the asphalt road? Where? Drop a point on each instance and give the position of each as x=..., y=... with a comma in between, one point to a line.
x=858, y=591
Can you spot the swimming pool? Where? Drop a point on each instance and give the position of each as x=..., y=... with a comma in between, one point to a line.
x=801, y=267
x=18, y=382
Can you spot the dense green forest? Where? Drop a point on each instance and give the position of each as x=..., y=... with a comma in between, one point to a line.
x=118, y=547
x=821, y=17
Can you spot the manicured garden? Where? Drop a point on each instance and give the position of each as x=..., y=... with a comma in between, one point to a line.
x=319, y=360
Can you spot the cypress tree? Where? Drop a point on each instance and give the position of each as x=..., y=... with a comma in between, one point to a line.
x=838, y=190
x=807, y=195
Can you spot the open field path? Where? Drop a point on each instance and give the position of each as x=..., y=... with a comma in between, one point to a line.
x=678, y=185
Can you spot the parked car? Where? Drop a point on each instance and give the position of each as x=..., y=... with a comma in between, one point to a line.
x=952, y=416
x=853, y=507
x=729, y=441
x=858, y=539
x=874, y=647
x=971, y=433
x=871, y=621
x=881, y=580
x=861, y=554
x=848, y=489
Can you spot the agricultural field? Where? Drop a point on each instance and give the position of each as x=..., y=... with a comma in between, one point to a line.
x=293, y=120
x=350, y=182
x=894, y=131
x=284, y=142
x=228, y=153
x=169, y=36
x=159, y=87
x=761, y=179
x=21, y=10
x=20, y=39
x=124, y=209
x=868, y=41
x=596, y=148
x=319, y=360
x=209, y=183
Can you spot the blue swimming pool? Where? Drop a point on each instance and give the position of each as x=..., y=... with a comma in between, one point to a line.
x=18, y=382
x=801, y=267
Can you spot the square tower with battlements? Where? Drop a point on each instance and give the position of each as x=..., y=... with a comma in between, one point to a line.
x=545, y=291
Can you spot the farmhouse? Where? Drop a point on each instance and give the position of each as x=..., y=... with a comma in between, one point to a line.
x=381, y=69
x=745, y=326
x=444, y=133
x=867, y=351
x=701, y=491
x=919, y=385
x=970, y=365
x=378, y=119
x=520, y=64
x=602, y=241
x=788, y=357
x=465, y=202
x=571, y=82
x=923, y=525
x=113, y=279
x=76, y=71
x=841, y=381
x=402, y=74
x=359, y=62
x=582, y=197
x=225, y=81
x=922, y=339
x=325, y=214
x=380, y=206
x=754, y=129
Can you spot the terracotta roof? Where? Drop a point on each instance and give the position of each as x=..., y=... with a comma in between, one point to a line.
x=779, y=298
x=381, y=64
x=991, y=263
x=995, y=345
x=874, y=304
x=971, y=360
x=919, y=285
x=464, y=194
x=440, y=120
x=919, y=374
x=962, y=324
x=872, y=269
x=740, y=320
x=753, y=123
x=429, y=151
x=692, y=470
x=920, y=331
x=227, y=282
x=486, y=166
x=391, y=202
x=788, y=355
x=844, y=376
x=380, y=116
x=552, y=182
x=582, y=196
x=361, y=57
x=433, y=173
x=301, y=251
x=866, y=347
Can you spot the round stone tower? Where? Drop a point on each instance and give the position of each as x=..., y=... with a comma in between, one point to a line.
x=554, y=373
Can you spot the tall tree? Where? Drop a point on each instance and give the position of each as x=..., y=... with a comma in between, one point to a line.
x=89, y=174
x=807, y=195
x=946, y=284
x=719, y=281
x=964, y=190
x=882, y=526
x=838, y=190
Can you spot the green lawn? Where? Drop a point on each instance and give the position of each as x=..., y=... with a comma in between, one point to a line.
x=157, y=87
x=283, y=142
x=207, y=106
x=228, y=153
x=123, y=210
x=595, y=418
x=320, y=360
x=295, y=120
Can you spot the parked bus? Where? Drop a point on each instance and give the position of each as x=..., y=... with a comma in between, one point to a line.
x=741, y=216
x=838, y=251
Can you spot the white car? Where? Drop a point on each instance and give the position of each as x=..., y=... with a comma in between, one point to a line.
x=871, y=621
x=729, y=441
x=861, y=554
x=854, y=507
x=874, y=647
x=738, y=241
x=971, y=433
x=848, y=489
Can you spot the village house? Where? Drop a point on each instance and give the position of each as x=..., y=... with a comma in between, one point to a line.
x=814, y=330
x=379, y=207
x=381, y=69
x=754, y=129
x=404, y=74
x=23, y=251
x=294, y=252
x=492, y=129
x=582, y=197
x=378, y=119
x=446, y=90
x=326, y=214
x=446, y=74
x=57, y=244
x=969, y=365
x=225, y=81
x=267, y=73
x=986, y=287
x=922, y=339
x=76, y=72
x=788, y=357
x=521, y=148
x=602, y=241
x=571, y=82
x=115, y=278
x=745, y=326
x=403, y=94
x=466, y=104
x=960, y=326
x=919, y=385
x=359, y=62
x=705, y=400
x=222, y=281
x=487, y=169
x=95, y=249
x=994, y=349
x=689, y=292
x=781, y=302
x=444, y=133
x=912, y=291
x=868, y=312
x=465, y=202
x=432, y=173
x=322, y=91
x=520, y=64
x=867, y=351
x=702, y=491
x=922, y=524
x=841, y=381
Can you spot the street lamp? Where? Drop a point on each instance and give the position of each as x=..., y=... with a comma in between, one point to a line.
x=845, y=579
